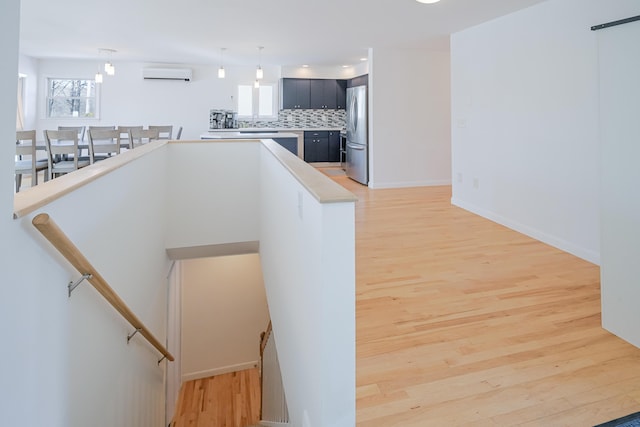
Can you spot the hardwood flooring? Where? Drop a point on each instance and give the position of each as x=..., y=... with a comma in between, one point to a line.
x=463, y=322
x=228, y=400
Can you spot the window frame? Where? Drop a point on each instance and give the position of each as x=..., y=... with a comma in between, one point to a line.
x=47, y=97
x=255, y=102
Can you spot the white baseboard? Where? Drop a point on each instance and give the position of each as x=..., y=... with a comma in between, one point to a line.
x=273, y=424
x=405, y=184
x=556, y=242
x=219, y=371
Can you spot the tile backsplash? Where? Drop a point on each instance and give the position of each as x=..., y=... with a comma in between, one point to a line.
x=301, y=119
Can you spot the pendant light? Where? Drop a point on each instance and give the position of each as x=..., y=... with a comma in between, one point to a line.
x=109, y=68
x=98, y=77
x=221, y=72
x=256, y=84
x=259, y=72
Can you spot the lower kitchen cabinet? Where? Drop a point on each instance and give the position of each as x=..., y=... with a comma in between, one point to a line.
x=334, y=146
x=321, y=146
x=290, y=144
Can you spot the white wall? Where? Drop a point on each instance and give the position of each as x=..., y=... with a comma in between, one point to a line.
x=619, y=57
x=307, y=253
x=73, y=366
x=409, y=113
x=226, y=213
x=218, y=292
x=20, y=357
x=29, y=66
x=326, y=72
x=524, y=121
x=128, y=99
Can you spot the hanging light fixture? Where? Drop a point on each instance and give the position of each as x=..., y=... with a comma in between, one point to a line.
x=109, y=68
x=256, y=84
x=221, y=72
x=98, y=77
x=259, y=72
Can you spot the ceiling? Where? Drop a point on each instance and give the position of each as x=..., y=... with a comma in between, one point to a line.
x=293, y=32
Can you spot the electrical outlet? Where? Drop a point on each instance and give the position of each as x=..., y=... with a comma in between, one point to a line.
x=459, y=178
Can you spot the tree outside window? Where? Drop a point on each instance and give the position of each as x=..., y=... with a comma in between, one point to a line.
x=69, y=98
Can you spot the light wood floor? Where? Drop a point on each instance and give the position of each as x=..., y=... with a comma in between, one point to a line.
x=462, y=322
x=228, y=400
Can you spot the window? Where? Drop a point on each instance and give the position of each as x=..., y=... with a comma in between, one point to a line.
x=257, y=103
x=68, y=98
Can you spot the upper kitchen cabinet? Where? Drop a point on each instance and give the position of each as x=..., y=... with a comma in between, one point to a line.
x=295, y=94
x=341, y=96
x=325, y=94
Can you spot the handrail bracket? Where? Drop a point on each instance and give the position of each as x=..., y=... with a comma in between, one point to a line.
x=129, y=336
x=72, y=285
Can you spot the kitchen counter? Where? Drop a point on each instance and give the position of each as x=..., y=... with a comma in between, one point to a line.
x=252, y=130
x=235, y=134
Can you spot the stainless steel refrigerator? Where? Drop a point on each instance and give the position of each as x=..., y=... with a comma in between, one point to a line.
x=357, y=150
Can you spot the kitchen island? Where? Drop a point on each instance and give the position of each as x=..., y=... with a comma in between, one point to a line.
x=289, y=140
x=320, y=146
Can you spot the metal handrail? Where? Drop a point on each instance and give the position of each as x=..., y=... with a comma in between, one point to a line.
x=65, y=246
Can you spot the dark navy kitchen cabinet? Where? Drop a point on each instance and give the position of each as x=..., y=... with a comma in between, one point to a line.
x=316, y=146
x=334, y=146
x=290, y=144
x=324, y=94
x=341, y=95
x=295, y=94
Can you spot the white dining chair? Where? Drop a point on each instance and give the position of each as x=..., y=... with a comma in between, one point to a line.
x=26, y=162
x=61, y=143
x=103, y=144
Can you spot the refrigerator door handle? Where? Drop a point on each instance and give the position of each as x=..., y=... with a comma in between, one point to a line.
x=355, y=147
x=355, y=114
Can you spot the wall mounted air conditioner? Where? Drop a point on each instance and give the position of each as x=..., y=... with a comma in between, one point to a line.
x=167, y=74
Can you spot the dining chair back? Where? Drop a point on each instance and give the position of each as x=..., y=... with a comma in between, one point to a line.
x=59, y=144
x=143, y=136
x=103, y=144
x=26, y=161
x=125, y=136
x=179, y=134
x=79, y=129
x=164, y=132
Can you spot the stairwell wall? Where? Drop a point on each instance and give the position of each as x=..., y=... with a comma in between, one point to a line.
x=75, y=367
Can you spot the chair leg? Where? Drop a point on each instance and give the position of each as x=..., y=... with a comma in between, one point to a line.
x=18, y=181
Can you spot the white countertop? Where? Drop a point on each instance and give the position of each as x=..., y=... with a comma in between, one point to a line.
x=235, y=134
x=251, y=130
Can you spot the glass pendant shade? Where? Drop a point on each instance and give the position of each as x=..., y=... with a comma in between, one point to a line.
x=221, y=73
x=98, y=77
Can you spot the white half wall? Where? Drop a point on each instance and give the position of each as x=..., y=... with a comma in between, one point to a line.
x=409, y=118
x=307, y=253
x=619, y=55
x=216, y=293
x=525, y=149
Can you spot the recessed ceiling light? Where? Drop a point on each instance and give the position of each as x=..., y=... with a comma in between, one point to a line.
x=363, y=59
x=428, y=1
x=345, y=66
x=305, y=66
